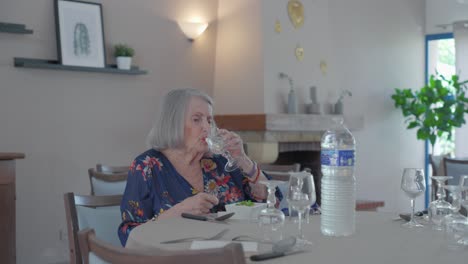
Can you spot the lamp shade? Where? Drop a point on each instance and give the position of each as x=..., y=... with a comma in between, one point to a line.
x=192, y=29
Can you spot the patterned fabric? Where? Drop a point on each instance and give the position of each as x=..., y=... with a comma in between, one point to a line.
x=153, y=186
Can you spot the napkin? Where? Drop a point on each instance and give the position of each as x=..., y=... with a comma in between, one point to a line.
x=248, y=246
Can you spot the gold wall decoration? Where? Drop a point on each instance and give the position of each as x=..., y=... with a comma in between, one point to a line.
x=299, y=53
x=323, y=67
x=296, y=13
x=278, y=26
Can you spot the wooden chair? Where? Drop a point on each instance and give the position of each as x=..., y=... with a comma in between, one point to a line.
x=230, y=254
x=455, y=168
x=108, y=180
x=99, y=212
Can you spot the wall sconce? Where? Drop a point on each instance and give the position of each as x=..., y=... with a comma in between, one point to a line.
x=192, y=29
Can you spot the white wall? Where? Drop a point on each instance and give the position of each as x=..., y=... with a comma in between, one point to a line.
x=372, y=55
x=279, y=50
x=239, y=52
x=66, y=122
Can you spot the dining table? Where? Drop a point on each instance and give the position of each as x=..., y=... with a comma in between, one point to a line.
x=379, y=238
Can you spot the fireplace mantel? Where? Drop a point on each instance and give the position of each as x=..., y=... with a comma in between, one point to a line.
x=268, y=134
x=283, y=127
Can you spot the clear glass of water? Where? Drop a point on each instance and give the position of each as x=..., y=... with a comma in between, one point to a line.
x=271, y=219
x=413, y=184
x=216, y=144
x=439, y=208
x=300, y=197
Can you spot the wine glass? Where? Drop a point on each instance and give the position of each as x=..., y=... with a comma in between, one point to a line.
x=456, y=228
x=300, y=197
x=271, y=219
x=439, y=208
x=216, y=144
x=456, y=194
x=308, y=187
x=412, y=183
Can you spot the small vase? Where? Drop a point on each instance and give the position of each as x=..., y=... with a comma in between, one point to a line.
x=338, y=108
x=124, y=63
x=292, y=103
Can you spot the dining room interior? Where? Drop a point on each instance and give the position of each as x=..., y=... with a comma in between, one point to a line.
x=66, y=120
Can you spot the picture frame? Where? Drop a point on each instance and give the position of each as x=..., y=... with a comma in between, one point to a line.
x=80, y=33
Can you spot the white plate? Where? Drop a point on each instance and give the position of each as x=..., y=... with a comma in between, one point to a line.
x=245, y=212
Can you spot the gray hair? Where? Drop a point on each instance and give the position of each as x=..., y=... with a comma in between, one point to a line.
x=168, y=130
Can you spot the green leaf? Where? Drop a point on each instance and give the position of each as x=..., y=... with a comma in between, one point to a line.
x=413, y=124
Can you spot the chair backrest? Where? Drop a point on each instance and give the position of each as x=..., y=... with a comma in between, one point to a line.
x=280, y=172
x=455, y=168
x=89, y=243
x=99, y=212
x=111, y=169
x=107, y=182
x=280, y=168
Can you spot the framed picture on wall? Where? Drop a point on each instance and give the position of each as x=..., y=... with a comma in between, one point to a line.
x=80, y=33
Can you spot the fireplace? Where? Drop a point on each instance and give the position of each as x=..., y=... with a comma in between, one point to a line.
x=285, y=138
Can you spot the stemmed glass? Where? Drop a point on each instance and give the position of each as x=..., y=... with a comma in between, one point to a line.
x=216, y=144
x=456, y=193
x=456, y=228
x=300, y=197
x=412, y=183
x=439, y=208
x=271, y=219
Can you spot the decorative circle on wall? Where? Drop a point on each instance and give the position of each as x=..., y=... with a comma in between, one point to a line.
x=296, y=13
x=277, y=26
x=323, y=67
x=299, y=53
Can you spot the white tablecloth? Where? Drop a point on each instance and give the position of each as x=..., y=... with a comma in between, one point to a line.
x=378, y=239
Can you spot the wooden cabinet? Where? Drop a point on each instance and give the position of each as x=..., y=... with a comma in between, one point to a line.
x=8, y=207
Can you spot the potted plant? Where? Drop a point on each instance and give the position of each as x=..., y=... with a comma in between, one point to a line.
x=123, y=54
x=435, y=109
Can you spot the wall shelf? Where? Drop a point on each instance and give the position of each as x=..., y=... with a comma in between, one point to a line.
x=55, y=65
x=14, y=28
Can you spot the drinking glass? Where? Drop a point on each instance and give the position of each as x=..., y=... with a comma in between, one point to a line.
x=308, y=187
x=439, y=208
x=456, y=194
x=456, y=228
x=216, y=144
x=413, y=184
x=300, y=197
x=271, y=219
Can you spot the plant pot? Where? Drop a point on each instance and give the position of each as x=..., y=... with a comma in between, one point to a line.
x=124, y=63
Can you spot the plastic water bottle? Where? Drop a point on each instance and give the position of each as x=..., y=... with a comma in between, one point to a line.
x=338, y=181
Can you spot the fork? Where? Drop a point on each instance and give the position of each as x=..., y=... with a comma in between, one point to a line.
x=187, y=239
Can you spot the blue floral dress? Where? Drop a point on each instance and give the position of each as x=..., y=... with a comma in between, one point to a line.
x=154, y=185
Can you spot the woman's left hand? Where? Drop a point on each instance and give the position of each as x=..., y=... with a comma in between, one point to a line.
x=233, y=143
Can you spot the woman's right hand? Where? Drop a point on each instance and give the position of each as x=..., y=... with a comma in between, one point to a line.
x=201, y=203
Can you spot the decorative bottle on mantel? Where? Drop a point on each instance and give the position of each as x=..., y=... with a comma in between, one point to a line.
x=292, y=102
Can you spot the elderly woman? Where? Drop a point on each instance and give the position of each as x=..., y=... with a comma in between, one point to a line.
x=179, y=174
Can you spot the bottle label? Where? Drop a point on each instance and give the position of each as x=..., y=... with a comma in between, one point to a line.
x=337, y=157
